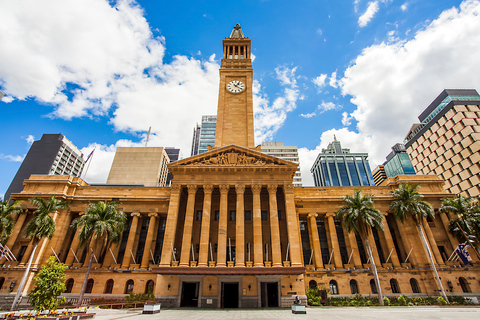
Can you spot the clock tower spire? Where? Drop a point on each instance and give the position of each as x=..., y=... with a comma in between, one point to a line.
x=235, y=104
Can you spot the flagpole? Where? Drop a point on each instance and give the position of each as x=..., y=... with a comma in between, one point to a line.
x=89, y=158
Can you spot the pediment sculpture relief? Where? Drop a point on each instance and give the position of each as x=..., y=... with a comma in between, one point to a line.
x=232, y=159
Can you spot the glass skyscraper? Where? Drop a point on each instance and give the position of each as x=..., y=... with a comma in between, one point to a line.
x=204, y=135
x=398, y=162
x=335, y=166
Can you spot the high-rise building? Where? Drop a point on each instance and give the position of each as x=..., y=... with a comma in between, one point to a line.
x=277, y=149
x=173, y=155
x=446, y=142
x=52, y=154
x=379, y=175
x=204, y=135
x=145, y=166
x=335, y=167
x=398, y=162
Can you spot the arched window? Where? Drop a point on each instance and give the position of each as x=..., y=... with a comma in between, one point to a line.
x=109, y=286
x=394, y=286
x=312, y=284
x=129, y=286
x=464, y=284
x=89, y=286
x=373, y=287
x=149, y=286
x=414, y=285
x=69, y=285
x=2, y=281
x=353, y=286
x=333, y=287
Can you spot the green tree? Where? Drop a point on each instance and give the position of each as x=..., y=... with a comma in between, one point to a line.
x=49, y=284
x=358, y=215
x=408, y=203
x=40, y=226
x=6, y=220
x=467, y=211
x=103, y=222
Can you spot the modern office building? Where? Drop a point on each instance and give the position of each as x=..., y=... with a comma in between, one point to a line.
x=398, y=162
x=379, y=175
x=290, y=153
x=145, y=166
x=204, y=135
x=52, y=154
x=232, y=231
x=446, y=142
x=173, y=155
x=335, y=167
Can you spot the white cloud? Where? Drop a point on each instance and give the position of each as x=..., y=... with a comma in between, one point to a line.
x=327, y=106
x=346, y=119
x=7, y=99
x=11, y=158
x=333, y=82
x=270, y=117
x=365, y=18
x=404, y=6
x=30, y=139
x=308, y=115
x=320, y=81
x=319, y=32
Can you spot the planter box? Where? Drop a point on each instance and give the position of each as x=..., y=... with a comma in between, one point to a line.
x=150, y=308
x=299, y=309
x=286, y=263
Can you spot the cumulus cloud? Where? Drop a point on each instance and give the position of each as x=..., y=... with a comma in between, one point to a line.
x=327, y=106
x=346, y=119
x=270, y=117
x=308, y=115
x=11, y=158
x=365, y=18
x=404, y=6
x=333, y=81
x=320, y=81
x=30, y=139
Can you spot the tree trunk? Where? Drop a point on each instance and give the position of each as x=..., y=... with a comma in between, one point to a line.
x=84, y=285
x=24, y=278
x=429, y=254
x=374, y=270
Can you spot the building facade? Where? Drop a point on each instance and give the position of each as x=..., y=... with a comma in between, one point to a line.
x=289, y=153
x=204, y=135
x=336, y=167
x=447, y=141
x=52, y=154
x=145, y=166
x=232, y=230
x=379, y=175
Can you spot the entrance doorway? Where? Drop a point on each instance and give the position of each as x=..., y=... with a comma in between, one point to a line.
x=269, y=294
x=189, y=294
x=230, y=295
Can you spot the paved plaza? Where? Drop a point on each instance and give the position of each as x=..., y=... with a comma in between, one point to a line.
x=359, y=313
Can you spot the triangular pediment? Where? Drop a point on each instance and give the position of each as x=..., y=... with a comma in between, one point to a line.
x=232, y=155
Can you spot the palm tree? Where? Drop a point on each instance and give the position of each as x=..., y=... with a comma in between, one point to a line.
x=408, y=203
x=6, y=220
x=467, y=210
x=358, y=215
x=103, y=222
x=41, y=226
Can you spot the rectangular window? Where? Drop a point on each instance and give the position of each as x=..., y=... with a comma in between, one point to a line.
x=232, y=215
x=217, y=215
x=264, y=215
x=199, y=215
x=248, y=215
x=279, y=214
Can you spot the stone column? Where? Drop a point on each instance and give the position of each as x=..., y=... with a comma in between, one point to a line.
x=240, y=227
x=91, y=246
x=315, y=239
x=390, y=244
x=43, y=244
x=274, y=226
x=127, y=256
x=148, y=242
x=171, y=226
x=357, y=261
x=73, y=248
x=27, y=253
x=432, y=243
x=16, y=231
x=373, y=246
x=205, y=231
x=337, y=257
x=222, y=227
x=59, y=237
x=293, y=228
x=446, y=222
x=257, y=227
x=188, y=226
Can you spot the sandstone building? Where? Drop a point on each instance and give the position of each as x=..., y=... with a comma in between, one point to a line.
x=233, y=231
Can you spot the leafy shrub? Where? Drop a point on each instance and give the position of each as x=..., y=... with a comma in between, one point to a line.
x=313, y=298
x=442, y=301
x=386, y=301
x=402, y=301
x=140, y=297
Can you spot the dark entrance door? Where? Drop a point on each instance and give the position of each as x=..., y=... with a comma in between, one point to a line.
x=269, y=294
x=189, y=294
x=230, y=295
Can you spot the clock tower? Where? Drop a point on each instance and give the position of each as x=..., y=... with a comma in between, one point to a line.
x=235, y=104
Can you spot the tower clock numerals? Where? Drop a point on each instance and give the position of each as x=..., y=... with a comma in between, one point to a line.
x=235, y=86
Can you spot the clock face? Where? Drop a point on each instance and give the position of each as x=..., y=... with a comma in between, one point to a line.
x=235, y=86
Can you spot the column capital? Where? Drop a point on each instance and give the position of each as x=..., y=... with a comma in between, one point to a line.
x=224, y=188
x=330, y=214
x=256, y=188
x=272, y=188
x=312, y=215
x=135, y=214
x=153, y=214
x=192, y=188
x=288, y=188
x=208, y=188
x=240, y=188
x=175, y=187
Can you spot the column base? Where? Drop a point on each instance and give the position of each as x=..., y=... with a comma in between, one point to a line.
x=193, y=263
x=249, y=264
x=175, y=263
x=286, y=264
x=268, y=264
x=230, y=264
x=212, y=263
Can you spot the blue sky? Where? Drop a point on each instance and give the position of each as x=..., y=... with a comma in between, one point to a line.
x=103, y=72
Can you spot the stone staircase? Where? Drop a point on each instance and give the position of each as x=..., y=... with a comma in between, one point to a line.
x=6, y=300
